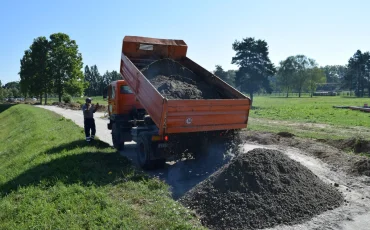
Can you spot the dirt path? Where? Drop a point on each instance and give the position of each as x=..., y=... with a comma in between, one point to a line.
x=182, y=176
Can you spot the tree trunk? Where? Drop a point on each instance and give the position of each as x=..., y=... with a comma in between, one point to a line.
x=251, y=95
x=46, y=98
x=41, y=98
x=60, y=97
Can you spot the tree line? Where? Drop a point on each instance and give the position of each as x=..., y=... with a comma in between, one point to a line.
x=257, y=74
x=10, y=89
x=98, y=82
x=54, y=67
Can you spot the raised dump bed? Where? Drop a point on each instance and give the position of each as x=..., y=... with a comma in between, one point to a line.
x=152, y=67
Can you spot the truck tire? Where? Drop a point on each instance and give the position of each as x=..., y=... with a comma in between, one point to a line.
x=116, y=137
x=144, y=150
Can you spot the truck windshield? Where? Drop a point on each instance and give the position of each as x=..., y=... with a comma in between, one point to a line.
x=125, y=89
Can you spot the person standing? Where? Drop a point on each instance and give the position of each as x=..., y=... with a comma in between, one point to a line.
x=89, y=121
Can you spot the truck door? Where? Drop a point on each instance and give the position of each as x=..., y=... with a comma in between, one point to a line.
x=111, y=99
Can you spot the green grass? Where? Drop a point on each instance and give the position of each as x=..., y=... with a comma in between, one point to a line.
x=51, y=179
x=311, y=117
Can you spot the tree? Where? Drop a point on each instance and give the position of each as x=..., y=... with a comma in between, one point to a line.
x=254, y=65
x=285, y=75
x=97, y=83
x=293, y=73
x=40, y=56
x=357, y=75
x=367, y=71
x=12, y=85
x=11, y=89
x=334, y=75
x=35, y=78
x=108, y=77
x=301, y=64
x=65, y=66
x=87, y=77
x=2, y=92
x=227, y=76
x=315, y=76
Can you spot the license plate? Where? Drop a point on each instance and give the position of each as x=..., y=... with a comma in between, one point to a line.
x=162, y=145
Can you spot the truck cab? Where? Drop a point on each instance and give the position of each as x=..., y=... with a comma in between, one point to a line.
x=123, y=107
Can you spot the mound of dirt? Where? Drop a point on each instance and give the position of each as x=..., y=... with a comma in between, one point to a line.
x=174, y=81
x=353, y=144
x=285, y=134
x=258, y=189
x=362, y=167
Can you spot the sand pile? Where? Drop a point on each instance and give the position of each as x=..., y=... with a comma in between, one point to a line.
x=174, y=81
x=259, y=189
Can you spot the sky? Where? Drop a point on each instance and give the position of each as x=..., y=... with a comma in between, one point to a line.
x=328, y=31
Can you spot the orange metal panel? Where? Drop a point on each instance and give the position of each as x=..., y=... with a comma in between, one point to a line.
x=148, y=96
x=224, y=108
x=185, y=129
x=163, y=123
x=175, y=116
x=160, y=48
x=206, y=115
x=205, y=120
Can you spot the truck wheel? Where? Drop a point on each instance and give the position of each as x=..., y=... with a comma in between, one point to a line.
x=144, y=151
x=116, y=137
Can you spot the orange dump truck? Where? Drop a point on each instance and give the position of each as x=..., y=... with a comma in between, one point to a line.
x=160, y=126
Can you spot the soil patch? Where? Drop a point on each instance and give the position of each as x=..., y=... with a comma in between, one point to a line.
x=329, y=151
x=258, y=189
x=174, y=81
x=363, y=167
x=353, y=144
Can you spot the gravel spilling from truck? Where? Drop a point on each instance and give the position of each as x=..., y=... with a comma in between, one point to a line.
x=174, y=81
x=258, y=189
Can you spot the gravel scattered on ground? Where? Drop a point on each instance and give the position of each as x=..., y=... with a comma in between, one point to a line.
x=258, y=189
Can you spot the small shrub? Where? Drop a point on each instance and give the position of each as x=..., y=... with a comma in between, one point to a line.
x=67, y=98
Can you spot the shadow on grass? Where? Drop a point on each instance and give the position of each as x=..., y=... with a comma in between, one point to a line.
x=77, y=144
x=88, y=168
x=4, y=107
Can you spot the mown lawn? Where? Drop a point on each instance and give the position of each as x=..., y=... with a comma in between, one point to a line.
x=313, y=110
x=304, y=116
x=51, y=179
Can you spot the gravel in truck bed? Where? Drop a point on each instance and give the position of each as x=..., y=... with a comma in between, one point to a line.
x=258, y=189
x=174, y=81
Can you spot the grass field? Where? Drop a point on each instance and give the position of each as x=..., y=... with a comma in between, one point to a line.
x=311, y=117
x=51, y=179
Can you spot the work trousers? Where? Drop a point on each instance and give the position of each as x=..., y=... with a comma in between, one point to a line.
x=89, y=124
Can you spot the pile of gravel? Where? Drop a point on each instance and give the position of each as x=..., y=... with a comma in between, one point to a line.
x=258, y=189
x=174, y=81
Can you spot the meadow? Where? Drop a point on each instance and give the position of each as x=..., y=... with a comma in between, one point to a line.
x=311, y=117
x=50, y=180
